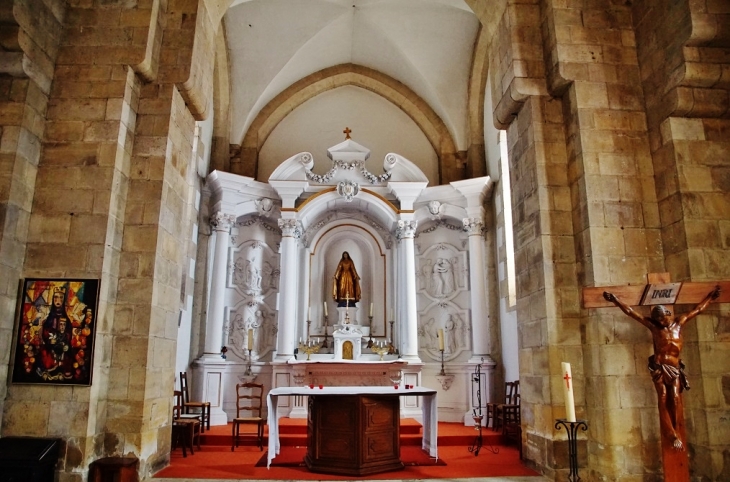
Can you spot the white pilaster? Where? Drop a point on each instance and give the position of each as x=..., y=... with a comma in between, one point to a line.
x=405, y=233
x=481, y=341
x=221, y=224
x=209, y=382
x=286, y=337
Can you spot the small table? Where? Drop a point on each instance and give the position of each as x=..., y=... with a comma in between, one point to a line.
x=368, y=411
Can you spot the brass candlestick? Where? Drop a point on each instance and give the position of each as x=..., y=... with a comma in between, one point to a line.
x=324, y=343
x=248, y=371
x=370, y=341
x=309, y=347
x=392, y=339
x=442, y=372
x=380, y=348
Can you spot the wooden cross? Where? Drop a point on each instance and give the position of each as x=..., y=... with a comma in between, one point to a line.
x=668, y=341
x=347, y=132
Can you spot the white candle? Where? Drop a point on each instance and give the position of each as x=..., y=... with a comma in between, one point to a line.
x=568, y=392
x=391, y=314
x=325, y=307
x=250, y=338
x=371, y=309
x=309, y=313
x=441, y=339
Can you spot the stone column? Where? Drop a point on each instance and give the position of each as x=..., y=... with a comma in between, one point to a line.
x=409, y=343
x=208, y=382
x=291, y=232
x=481, y=342
x=221, y=224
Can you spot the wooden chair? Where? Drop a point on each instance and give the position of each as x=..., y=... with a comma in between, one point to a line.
x=512, y=427
x=189, y=406
x=493, y=408
x=249, y=398
x=506, y=412
x=185, y=431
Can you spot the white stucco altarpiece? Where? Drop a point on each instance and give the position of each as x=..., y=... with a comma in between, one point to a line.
x=419, y=252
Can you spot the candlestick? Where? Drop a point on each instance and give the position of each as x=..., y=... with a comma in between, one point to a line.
x=442, y=372
x=324, y=343
x=370, y=341
x=568, y=393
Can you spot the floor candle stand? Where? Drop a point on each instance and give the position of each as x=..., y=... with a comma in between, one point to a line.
x=572, y=429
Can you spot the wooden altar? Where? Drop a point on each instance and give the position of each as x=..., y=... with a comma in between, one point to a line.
x=353, y=435
x=373, y=414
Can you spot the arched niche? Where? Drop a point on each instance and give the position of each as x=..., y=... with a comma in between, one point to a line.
x=372, y=261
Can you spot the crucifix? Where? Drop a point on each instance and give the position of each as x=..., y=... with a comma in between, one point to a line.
x=347, y=132
x=665, y=366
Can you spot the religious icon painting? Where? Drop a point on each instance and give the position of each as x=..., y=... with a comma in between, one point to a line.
x=56, y=331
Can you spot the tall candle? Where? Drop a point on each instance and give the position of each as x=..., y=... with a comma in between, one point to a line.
x=371, y=309
x=325, y=307
x=309, y=313
x=441, y=339
x=250, y=338
x=391, y=314
x=568, y=393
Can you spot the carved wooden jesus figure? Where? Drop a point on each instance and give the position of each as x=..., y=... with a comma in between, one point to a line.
x=667, y=369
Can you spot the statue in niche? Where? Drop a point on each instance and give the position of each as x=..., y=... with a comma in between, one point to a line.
x=346, y=283
x=665, y=366
x=252, y=281
x=442, y=277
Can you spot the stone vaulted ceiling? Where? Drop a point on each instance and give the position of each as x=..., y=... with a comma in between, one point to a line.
x=425, y=44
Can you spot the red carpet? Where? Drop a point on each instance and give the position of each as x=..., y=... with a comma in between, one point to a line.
x=218, y=462
x=294, y=457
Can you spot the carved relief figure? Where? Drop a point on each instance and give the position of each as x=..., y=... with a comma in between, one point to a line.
x=424, y=274
x=442, y=278
x=428, y=333
x=665, y=365
x=253, y=277
x=451, y=333
x=346, y=283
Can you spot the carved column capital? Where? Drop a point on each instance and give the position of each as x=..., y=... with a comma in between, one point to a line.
x=474, y=226
x=222, y=222
x=406, y=229
x=290, y=228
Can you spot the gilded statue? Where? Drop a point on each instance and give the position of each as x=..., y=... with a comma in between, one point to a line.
x=665, y=366
x=346, y=283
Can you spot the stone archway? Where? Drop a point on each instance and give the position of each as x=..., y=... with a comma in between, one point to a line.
x=415, y=107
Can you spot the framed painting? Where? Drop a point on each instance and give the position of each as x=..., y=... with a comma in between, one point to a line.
x=54, y=343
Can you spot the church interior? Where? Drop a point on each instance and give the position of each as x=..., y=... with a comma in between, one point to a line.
x=364, y=193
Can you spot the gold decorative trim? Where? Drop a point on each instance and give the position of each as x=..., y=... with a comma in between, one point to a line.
x=373, y=193
x=314, y=196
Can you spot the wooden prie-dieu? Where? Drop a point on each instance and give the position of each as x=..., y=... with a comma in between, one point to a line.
x=353, y=435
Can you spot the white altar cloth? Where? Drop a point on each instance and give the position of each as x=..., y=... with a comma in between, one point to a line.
x=430, y=410
x=363, y=361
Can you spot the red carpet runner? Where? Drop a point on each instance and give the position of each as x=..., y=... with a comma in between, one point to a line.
x=455, y=460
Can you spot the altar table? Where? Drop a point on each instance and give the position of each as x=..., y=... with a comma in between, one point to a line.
x=429, y=408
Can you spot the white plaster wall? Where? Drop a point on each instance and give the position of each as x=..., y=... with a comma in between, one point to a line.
x=376, y=124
